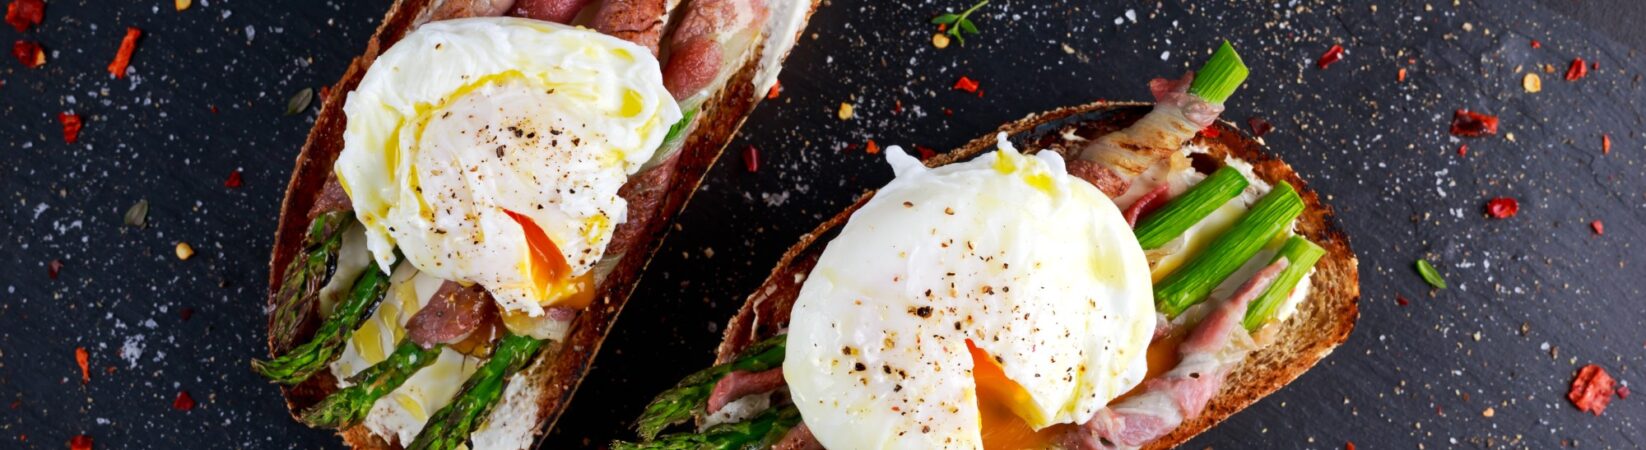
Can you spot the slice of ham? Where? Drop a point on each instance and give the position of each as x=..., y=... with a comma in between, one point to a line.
x=1208, y=354
x=332, y=198
x=798, y=438
x=699, y=43
x=739, y=384
x=458, y=9
x=1176, y=118
x=637, y=21
x=557, y=11
x=1103, y=178
x=453, y=313
x=1147, y=204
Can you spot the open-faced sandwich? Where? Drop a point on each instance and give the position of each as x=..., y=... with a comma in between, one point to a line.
x=469, y=216
x=1143, y=275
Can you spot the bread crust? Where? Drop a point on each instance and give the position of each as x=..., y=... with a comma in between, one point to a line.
x=1322, y=321
x=561, y=366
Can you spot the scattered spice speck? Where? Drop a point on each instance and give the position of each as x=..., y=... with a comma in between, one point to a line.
x=871, y=147
x=1532, y=82
x=1606, y=144
x=1463, y=150
x=1489, y=412
x=53, y=267
x=71, y=126
x=138, y=214
x=122, y=59
x=966, y=84
x=1427, y=271
x=82, y=358
x=184, y=251
x=1502, y=207
x=299, y=102
x=183, y=5
x=771, y=94
x=845, y=111
x=1599, y=227
x=1466, y=123
x=1577, y=70
x=1259, y=125
x=1591, y=390
x=940, y=40
x=1401, y=76
x=751, y=159
x=234, y=180
x=1537, y=44
x=22, y=14
x=925, y=152
x=1331, y=56
x=80, y=442
x=1401, y=300
x=29, y=53
x=183, y=402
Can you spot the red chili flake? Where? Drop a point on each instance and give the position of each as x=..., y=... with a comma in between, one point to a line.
x=1211, y=131
x=188, y=312
x=1463, y=150
x=325, y=93
x=1599, y=227
x=183, y=402
x=925, y=152
x=80, y=442
x=1577, y=70
x=29, y=53
x=213, y=109
x=1623, y=392
x=751, y=159
x=871, y=147
x=1260, y=126
x=1502, y=207
x=1401, y=77
x=53, y=267
x=1591, y=390
x=777, y=88
x=123, y=58
x=71, y=126
x=22, y=14
x=966, y=84
x=1350, y=445
x=1332, y=55
x=1401, y=300
x=82, y=358
x=1594, y=65
x=1536, y=44
x=897, y=107
x=1606, y=144
x=948, y=112
x=1468, y=123
x=233, y=181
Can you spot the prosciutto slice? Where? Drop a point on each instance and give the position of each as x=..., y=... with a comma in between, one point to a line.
x=738, y=384
x=1208, y=354
x=450, y=316
x=1127, y=153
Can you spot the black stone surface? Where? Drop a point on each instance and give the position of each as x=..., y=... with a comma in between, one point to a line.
x=1483, y=364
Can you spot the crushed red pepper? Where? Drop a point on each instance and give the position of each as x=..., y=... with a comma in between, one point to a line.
x=1536, y=44
x=925, y=152
x=1591, y=390
x=777, y=89
x=53, y=267
x=1463, y=150
x=1401, y=77
x=233, y=181
x=897, y=107
x=1623, y=392
x=1606, y=144
x=1599, y=227
x=1468, y=123
x=1350, y=445
x=1211, y=131
x=185, y=313
x=1332, y=55
x=71, y=126
x=122, y=59
x=966, y=84
x=183, y=402
x=1260, y=126
x=1401, y=300
x=80, y=442
x=751, y=159
x=871, y=147
x=29, y=53
x=22, y=14
x=82, y=358
x=1577, y=70
x=1502, y=207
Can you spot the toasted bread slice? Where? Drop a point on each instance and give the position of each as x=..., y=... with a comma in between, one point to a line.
x=561, y=366
x=1321, y=322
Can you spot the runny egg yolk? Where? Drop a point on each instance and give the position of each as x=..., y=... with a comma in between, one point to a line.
x=996, y=398
x=550, y=274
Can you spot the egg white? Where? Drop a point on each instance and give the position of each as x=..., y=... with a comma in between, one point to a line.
x=464, y=122
x=1037, y=269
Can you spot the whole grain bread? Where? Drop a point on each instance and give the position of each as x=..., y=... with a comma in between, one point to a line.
x=561, y=366
x=1321, y=322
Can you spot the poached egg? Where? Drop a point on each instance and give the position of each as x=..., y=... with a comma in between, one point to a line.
x=970, y=305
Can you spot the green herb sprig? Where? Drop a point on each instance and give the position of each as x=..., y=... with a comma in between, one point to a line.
x=958, y=24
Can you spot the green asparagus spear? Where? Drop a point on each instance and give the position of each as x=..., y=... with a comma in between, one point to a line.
x=760, y=432
x=449, y=428
x=1221, y=75
x=350, y=405
x=1301, y=256
x=677, y=404
x=1190, y=284
x=303, y=361
x=1188, y=209
x=304, y=275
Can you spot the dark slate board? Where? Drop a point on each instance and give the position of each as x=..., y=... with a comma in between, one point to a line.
x=1422, y=375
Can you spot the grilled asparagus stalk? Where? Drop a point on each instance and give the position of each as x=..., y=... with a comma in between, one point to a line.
x=300, y=286
x=760, y=432
x=303, y=361
x=350, y=405
x=677, y=404
x=450, y=427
